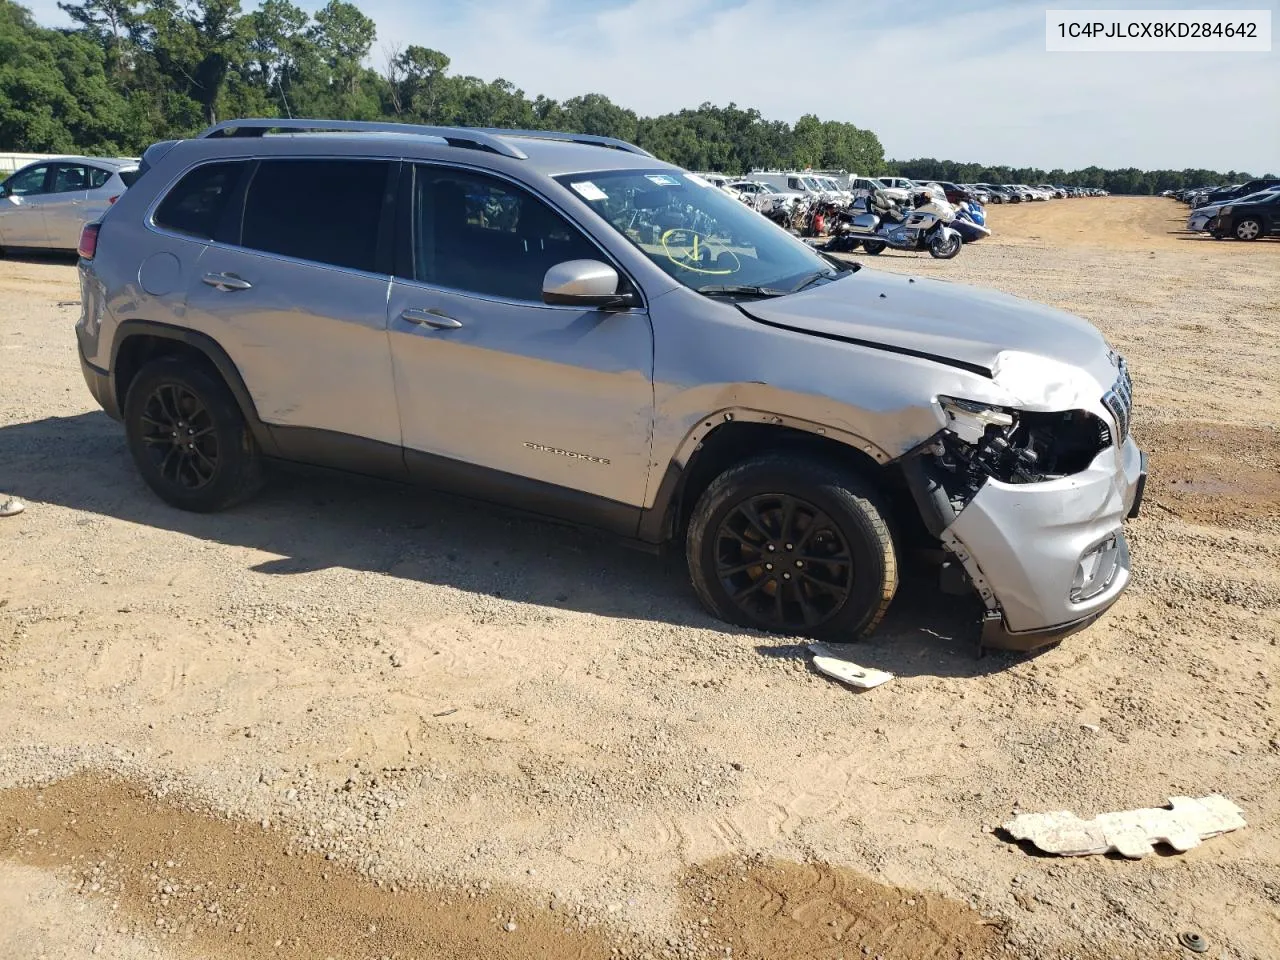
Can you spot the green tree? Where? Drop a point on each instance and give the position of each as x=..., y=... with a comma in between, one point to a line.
x=343, y=37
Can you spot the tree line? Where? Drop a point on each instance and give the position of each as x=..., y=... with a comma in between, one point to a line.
x=135, y=71
x=1129, y=180
x=131, y=72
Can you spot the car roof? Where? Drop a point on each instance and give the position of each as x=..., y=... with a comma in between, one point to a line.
x=540, y=152
x=113, y=163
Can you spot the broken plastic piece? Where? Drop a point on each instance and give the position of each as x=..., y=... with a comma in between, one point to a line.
x=830, y=660
x=1181, y=825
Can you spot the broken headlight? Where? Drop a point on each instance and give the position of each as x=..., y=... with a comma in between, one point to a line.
x=981, y=442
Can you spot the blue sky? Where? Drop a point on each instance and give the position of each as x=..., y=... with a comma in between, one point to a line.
x=957, y=79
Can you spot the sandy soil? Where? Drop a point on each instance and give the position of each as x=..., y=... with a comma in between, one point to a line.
x=421, y=722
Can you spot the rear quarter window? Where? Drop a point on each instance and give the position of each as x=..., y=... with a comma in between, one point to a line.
x=196, y=203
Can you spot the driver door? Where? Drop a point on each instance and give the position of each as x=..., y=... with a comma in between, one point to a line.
x=502, y=396
x=21, y=219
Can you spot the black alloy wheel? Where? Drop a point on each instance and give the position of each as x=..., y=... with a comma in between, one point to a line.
x=180, y=436
x=783, y=562
x=188, y=436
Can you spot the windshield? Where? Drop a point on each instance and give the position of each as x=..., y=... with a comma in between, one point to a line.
x=811, y=183
x=701, y=237
x=769, y=188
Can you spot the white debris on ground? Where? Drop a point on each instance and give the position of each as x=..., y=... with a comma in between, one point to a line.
x=831, y=661
x=11, y=507
x=1181, y=825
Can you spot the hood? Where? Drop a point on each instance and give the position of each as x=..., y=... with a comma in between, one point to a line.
x=958, y=325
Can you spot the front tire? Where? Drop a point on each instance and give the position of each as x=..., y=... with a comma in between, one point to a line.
x=188, y=437
x=874, y=247
x=943, y=248
x=793, y=545
x=1248, y=229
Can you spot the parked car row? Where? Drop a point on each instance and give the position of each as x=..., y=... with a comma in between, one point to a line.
x=45, y=204
x=1022, y=193
x=1241, y=211
x=1202, y=196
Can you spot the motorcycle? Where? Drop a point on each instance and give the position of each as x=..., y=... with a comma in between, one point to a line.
x=970, y=222
x=926, y=226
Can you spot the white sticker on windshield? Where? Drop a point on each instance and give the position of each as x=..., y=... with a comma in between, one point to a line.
x=695, y=179
x=589, y=191
x=663, y=180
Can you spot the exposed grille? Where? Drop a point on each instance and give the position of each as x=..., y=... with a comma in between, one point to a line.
x=1119, y=400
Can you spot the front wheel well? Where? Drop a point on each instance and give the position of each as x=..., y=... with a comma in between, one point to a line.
x=732, y=443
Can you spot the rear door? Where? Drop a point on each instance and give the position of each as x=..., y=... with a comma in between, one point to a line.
x=21, y=219
x=296, y=293
x=63, y=204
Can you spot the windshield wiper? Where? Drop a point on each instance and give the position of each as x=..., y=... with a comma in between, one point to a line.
x=729, y=290
x=814, y=279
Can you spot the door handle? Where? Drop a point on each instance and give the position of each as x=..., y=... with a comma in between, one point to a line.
x=430, y=318
x=226, y=282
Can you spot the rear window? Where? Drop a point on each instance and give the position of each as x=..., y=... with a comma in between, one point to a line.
x=129, y=176
x=97, y=177
x=327, y=211
x=197, y=202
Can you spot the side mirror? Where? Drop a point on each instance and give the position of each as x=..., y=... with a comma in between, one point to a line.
x=4, y=190
x=583, y=283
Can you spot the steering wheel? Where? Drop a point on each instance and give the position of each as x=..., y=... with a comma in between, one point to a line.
x=697, y=253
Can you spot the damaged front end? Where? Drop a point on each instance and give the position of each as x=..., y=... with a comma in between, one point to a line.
x=1030, y=506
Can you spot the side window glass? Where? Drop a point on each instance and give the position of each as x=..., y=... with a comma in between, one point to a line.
x=27, y=183
x=68, y=178
x=196, y=203
x=486, y=236
x=97, y=177
x=327, y=211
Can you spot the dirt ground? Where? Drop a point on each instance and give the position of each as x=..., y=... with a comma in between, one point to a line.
x=349, y=722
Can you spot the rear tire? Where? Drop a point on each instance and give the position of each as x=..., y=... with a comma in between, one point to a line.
x=874, y=247
x=793, y=545
x=188, y=437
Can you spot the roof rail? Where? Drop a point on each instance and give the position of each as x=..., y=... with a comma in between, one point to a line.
x=585, y=138
x=465, y=137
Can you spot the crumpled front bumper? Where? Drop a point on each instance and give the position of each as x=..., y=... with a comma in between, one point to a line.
x=1022, y=544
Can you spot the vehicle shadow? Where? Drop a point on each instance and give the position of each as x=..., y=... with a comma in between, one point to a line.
x=318, y=522
x=36, y=255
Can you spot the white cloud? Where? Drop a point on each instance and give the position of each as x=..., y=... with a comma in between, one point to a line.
x=930, y=79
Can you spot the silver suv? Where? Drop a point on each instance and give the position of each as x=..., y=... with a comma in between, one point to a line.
x=566, y=325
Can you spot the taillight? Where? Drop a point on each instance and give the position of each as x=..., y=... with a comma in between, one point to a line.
x=111, y=200
x=88, y=241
